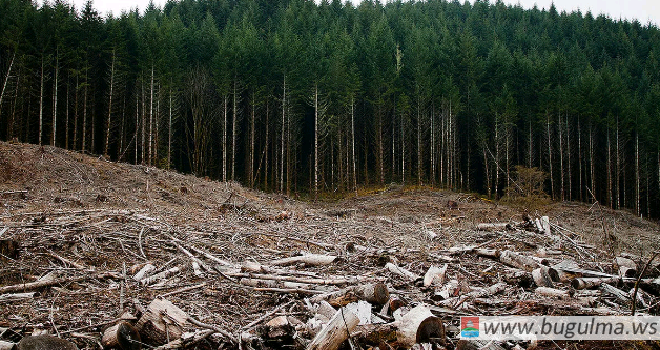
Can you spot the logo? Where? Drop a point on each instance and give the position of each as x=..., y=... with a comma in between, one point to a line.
x=469, y=327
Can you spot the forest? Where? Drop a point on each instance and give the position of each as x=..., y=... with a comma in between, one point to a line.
x=323, y=99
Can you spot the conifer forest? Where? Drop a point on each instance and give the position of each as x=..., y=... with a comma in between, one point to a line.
x=325, y=98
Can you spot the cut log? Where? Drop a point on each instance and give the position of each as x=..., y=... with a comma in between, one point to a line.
x=375, y=334
x=435, y=275
x=544, y=276
x=402, y=272
x=494, y=227
x=627, y=267
x=159, y=276
x=552, y=292
x=45, y=342
x=374, y=293
x=620, y=295
x=309, y=260
x=335, y=332
x=419, y=326
x=161, y=322
x=488, y=253
x=520, y=278
x=586, y=283
x=522, y=262
x=545, y=225
x=122, y=335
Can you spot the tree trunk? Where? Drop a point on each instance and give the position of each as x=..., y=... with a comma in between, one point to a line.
x=618, y=166
x=419, y=145
x=561, y=156
x=610, y=202
x=570, y=168
x=4, y=84
x=151, y=117
x=169, y=130
x=637, y=176
x=108, y=120
x=41, y=102
x=252, y=141
x=224, y=141
x=353, y=145
x=53, y=141
x=235, y=102
x=316, y=142
x=552, y=180
x=66, y=120
x=580, y=158
x=381, y=159
x=591, y=160
x=432, y=144
x=75, y=115
x=283, y=135
x=144, y=128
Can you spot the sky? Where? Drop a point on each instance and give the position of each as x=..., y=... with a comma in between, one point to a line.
x=642, y=10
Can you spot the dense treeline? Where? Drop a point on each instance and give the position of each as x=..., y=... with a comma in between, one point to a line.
x=308, y=98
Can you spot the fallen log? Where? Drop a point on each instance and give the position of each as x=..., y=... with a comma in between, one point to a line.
x=419, y=325
x=161, y=322
x=544, y=276
x=159, y=276
x=552, y=293
x=520, y=278
x=402, y=272
x=309, y=260
x=627, y=267
x=377, y=293
x=617, y=293
x=25, y=287
x=488, y=253
x=494, y=227
x=5, y=345
x=122, y=335
x=586, y=283
x=522, y=262
x=336, y=331
x=435, y=275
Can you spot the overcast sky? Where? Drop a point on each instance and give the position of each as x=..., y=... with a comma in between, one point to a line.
x=642, y=10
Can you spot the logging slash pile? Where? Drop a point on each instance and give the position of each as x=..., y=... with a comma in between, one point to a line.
x=100, y=255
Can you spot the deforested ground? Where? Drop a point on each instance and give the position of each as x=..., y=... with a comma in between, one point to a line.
x=86, y=227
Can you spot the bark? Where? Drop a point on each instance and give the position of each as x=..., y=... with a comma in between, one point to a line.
x=316, y=142
x=161, y=322
x=284, y=101
x=353, y=145
x=4, y=84
x=56, y=89
x=335, y=332
x=169, y=130
x=419, y=325
x=108, y=120
x=224, y=140
x=151, y=117
x=235, y=101
x=41, y=102
x=561, y=156
x=523, y=262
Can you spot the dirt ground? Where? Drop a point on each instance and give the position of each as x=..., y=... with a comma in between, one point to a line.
x=109, y=217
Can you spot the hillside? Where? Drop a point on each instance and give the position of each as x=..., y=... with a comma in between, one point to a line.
x=87, y=226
